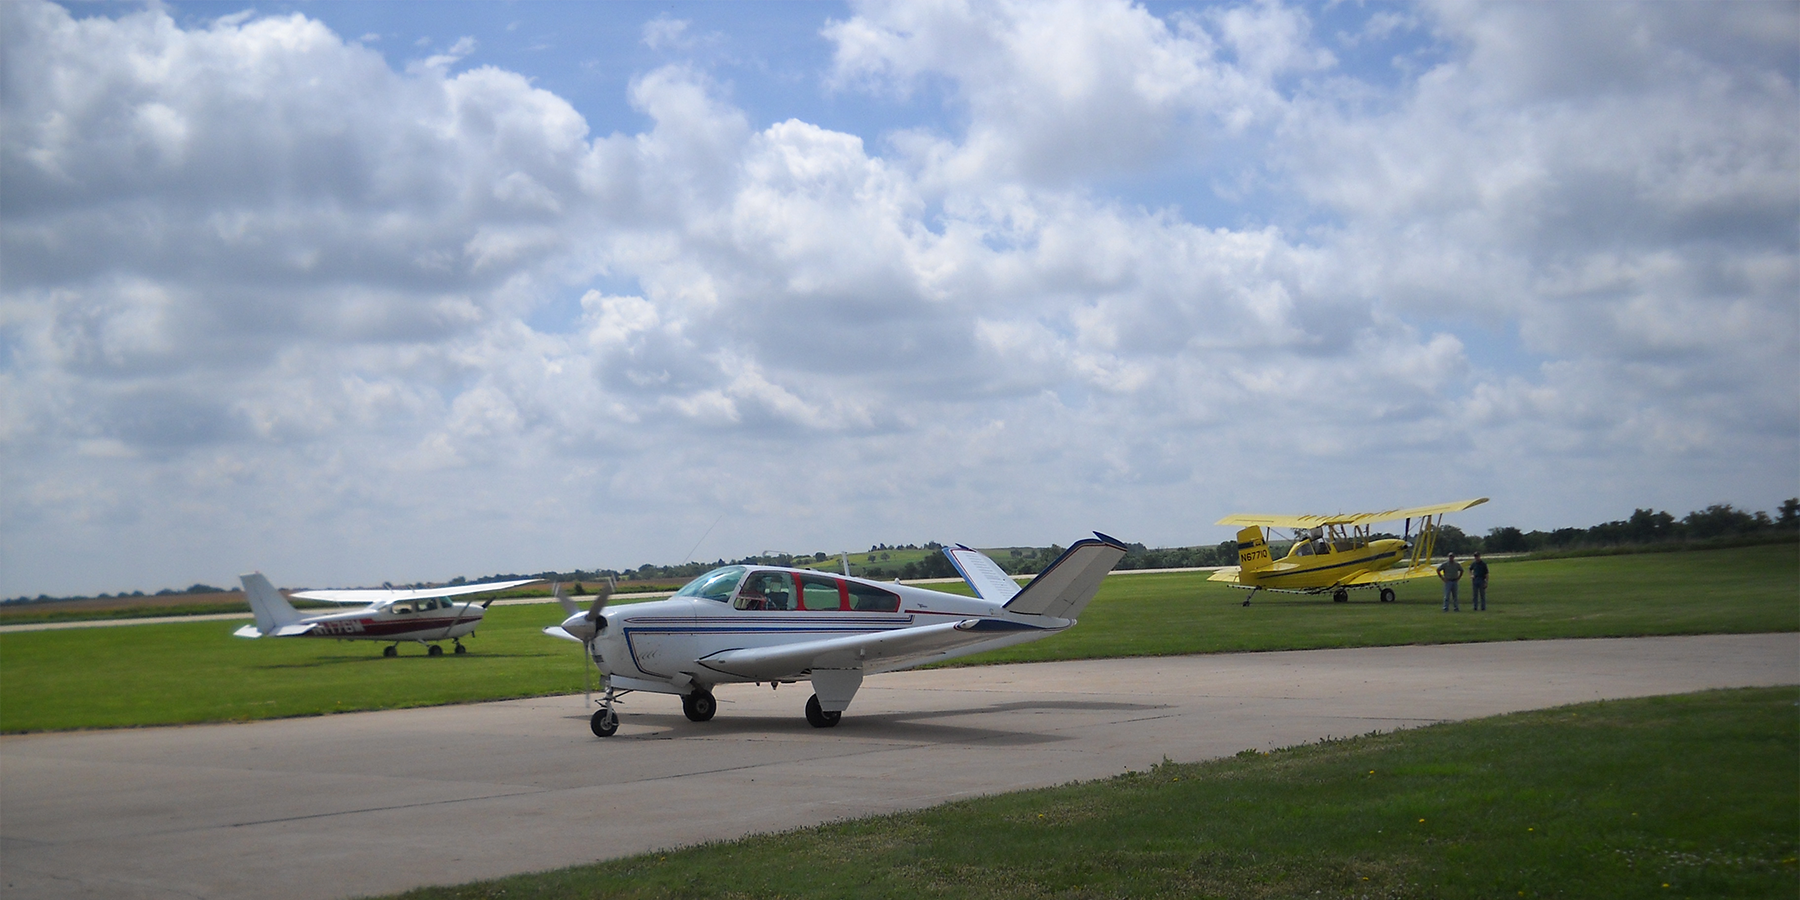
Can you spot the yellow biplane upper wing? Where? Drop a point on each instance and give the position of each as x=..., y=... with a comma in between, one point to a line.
x=1278, y=521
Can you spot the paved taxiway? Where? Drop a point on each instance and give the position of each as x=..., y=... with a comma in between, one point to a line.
x=366, y=803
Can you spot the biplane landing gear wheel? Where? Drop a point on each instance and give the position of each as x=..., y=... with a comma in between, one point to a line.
x=819, y=718
x=391, y=650
x=1340, y=596
x=1387, y=595
x=699, y=706
x=605, y=723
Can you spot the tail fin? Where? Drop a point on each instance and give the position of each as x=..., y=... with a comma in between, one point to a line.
x=985, y=577
x=1065, y=587
x=1253, y=550
x=272, y=610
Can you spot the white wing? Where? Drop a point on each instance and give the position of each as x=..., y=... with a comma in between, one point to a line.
x=383, y=595
x=880, y=651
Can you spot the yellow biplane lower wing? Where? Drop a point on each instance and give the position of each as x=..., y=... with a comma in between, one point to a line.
x=1365, y=579
x=1387, y=575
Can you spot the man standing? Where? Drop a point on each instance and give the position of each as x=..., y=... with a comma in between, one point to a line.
x=1451, y=572
x=1478, y=584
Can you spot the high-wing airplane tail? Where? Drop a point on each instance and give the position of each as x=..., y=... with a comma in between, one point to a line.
x=1066, y=586
x=272, y=610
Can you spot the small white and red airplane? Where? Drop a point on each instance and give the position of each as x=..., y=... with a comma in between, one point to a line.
x=423, y=615
x=755, y=624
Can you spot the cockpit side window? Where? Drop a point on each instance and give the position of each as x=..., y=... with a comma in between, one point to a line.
x=869, y=598
x=404, y=607
x=715, y=585
x=767, y=590
x=819, y=592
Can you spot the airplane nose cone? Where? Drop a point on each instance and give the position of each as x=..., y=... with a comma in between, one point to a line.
x=579, y=626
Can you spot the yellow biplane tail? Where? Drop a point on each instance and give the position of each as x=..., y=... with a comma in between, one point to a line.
x=1253, y=550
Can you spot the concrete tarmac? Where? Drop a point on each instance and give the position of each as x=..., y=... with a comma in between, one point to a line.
x=365, y=803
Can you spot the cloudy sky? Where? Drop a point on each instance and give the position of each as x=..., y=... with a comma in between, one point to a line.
x=366, y=292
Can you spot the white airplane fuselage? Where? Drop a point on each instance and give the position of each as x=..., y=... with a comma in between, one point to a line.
x=668, y=645
x=743, y=623
x=445, y=621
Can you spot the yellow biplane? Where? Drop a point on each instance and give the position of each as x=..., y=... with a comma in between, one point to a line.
x=1336, y=553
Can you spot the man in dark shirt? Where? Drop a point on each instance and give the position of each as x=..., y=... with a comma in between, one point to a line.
x=1451, y=572
x=1478, y=584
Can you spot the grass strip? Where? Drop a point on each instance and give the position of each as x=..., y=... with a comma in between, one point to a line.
x=1687, y=796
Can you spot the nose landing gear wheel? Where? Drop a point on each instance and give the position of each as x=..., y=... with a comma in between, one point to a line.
x=819, y=718
x=604, y=723
x=699, y=706
x=460, y=649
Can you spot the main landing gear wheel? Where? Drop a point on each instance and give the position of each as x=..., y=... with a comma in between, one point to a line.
x=435, y=651
x=390, y=651
x=605, y=722
x=1387, y=595
x=819, y=718
x=1340, y=596
x=699, y=706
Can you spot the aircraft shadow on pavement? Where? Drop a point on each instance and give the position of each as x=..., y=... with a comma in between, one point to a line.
x=914, y=727
x=402, y=659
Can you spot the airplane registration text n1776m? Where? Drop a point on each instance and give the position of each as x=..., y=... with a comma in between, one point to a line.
x=753, y=624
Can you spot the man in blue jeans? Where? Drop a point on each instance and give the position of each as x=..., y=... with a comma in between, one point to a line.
x=1478, y=584
x=1451, y=572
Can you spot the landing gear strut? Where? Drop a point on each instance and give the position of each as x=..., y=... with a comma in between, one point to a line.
x=605, y=721
x=1252, y=594
x=699, y=706
x=818, y=717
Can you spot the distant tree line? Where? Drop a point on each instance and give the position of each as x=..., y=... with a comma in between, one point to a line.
x=1720, y=522
x=1644, y=528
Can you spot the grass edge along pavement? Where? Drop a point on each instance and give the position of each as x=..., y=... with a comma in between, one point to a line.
x=182, y=673
x=1693, y=795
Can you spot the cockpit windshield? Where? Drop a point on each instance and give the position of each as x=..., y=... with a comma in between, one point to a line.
x=715, y=585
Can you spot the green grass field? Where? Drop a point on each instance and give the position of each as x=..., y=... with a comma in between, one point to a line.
x=197, y=672
x=1738, y=590
x=1694, y=796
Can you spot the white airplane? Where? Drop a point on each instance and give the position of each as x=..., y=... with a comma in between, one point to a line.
x=424, y=615
x=744, y=624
